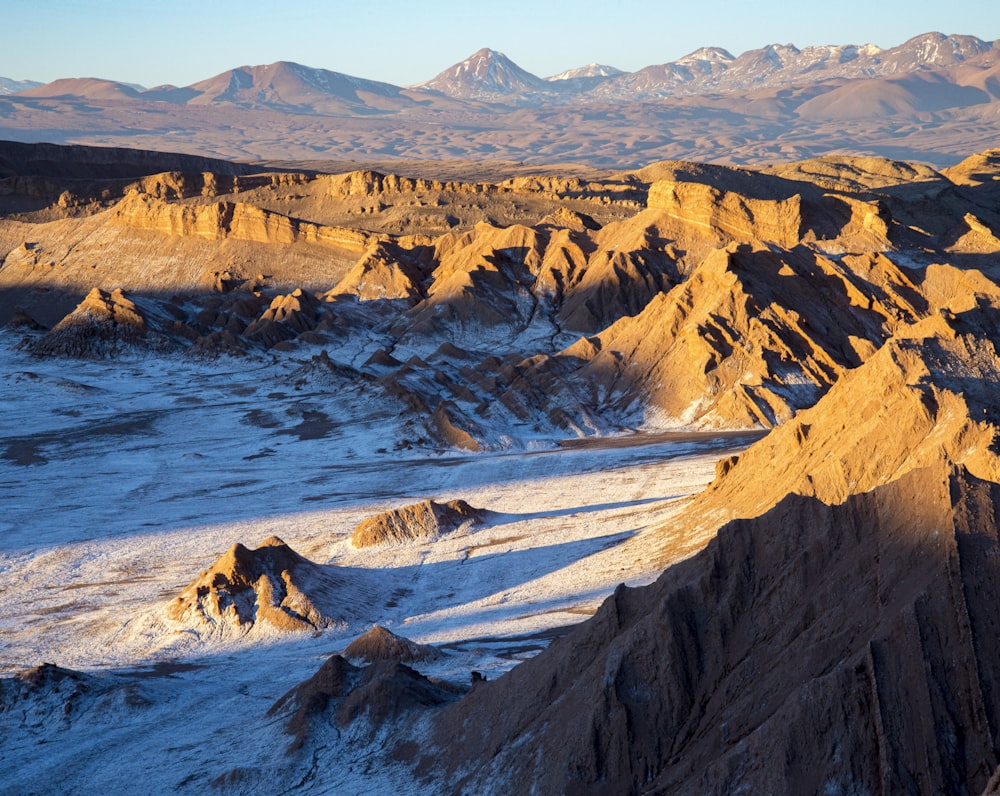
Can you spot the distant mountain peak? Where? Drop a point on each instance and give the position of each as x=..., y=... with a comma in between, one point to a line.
x=715, y=55
x=9, y=86
x=486, y=74
x=588, y=71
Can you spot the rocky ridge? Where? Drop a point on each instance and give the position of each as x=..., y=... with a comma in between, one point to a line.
x=728, y=298
x=741, y=655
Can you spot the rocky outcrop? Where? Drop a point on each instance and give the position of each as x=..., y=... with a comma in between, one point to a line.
x=844, y=173
x=424, y=520
x=272, y=586
x=928, y=394
x=176, y=185
x=49, y=698
x=104, y=325
x=749, y=338
x=222, y=220
x=383, y=272
x=340, y=693
x=978, y=169
x=380, y=644
x=777, y=221
x=368, y=183
x=287, y=317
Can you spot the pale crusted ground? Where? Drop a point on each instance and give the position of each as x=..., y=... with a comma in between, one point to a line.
x=120, y=484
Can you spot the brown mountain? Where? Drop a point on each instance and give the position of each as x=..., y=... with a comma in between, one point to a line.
x=904, y=96
x=295, y=88
x=84, y=88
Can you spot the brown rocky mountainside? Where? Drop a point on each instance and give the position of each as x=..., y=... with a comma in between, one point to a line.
x=838, y=638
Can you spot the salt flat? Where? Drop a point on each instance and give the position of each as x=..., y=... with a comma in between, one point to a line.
x=120, y=482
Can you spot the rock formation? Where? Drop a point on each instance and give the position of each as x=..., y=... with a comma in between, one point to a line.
x=340, y=693
x=425, y=520
x=104, y=325
x=272, y=586
x=47, y=697
x=379, y=644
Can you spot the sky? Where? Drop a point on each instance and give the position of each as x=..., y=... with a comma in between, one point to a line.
x=153, y=42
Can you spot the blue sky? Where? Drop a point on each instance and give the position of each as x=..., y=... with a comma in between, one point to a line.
x=182, y=41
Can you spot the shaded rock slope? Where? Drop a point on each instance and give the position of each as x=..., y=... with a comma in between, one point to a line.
x=840, y=638
x=339, y=694
x=816, y=647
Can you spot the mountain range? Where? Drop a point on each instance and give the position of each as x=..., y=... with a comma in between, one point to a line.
x=491, y=76
x=931, y=99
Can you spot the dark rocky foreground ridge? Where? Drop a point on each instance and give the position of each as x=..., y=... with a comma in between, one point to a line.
x=816, y=648
x=839, y=635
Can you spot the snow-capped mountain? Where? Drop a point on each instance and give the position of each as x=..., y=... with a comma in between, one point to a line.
x=9, y=86
x=491, y=76
x=486, y=75
x=590, y=70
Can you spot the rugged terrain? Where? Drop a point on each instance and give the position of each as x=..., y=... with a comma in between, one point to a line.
x=410, y=430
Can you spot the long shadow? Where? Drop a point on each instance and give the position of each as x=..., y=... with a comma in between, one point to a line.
x=499, y=518
x=512, y=568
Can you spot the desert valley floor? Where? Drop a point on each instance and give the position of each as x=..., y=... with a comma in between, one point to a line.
x=118, y=488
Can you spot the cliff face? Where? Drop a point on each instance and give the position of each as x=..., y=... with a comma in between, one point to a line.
x=237, y=220
x=777, y=221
